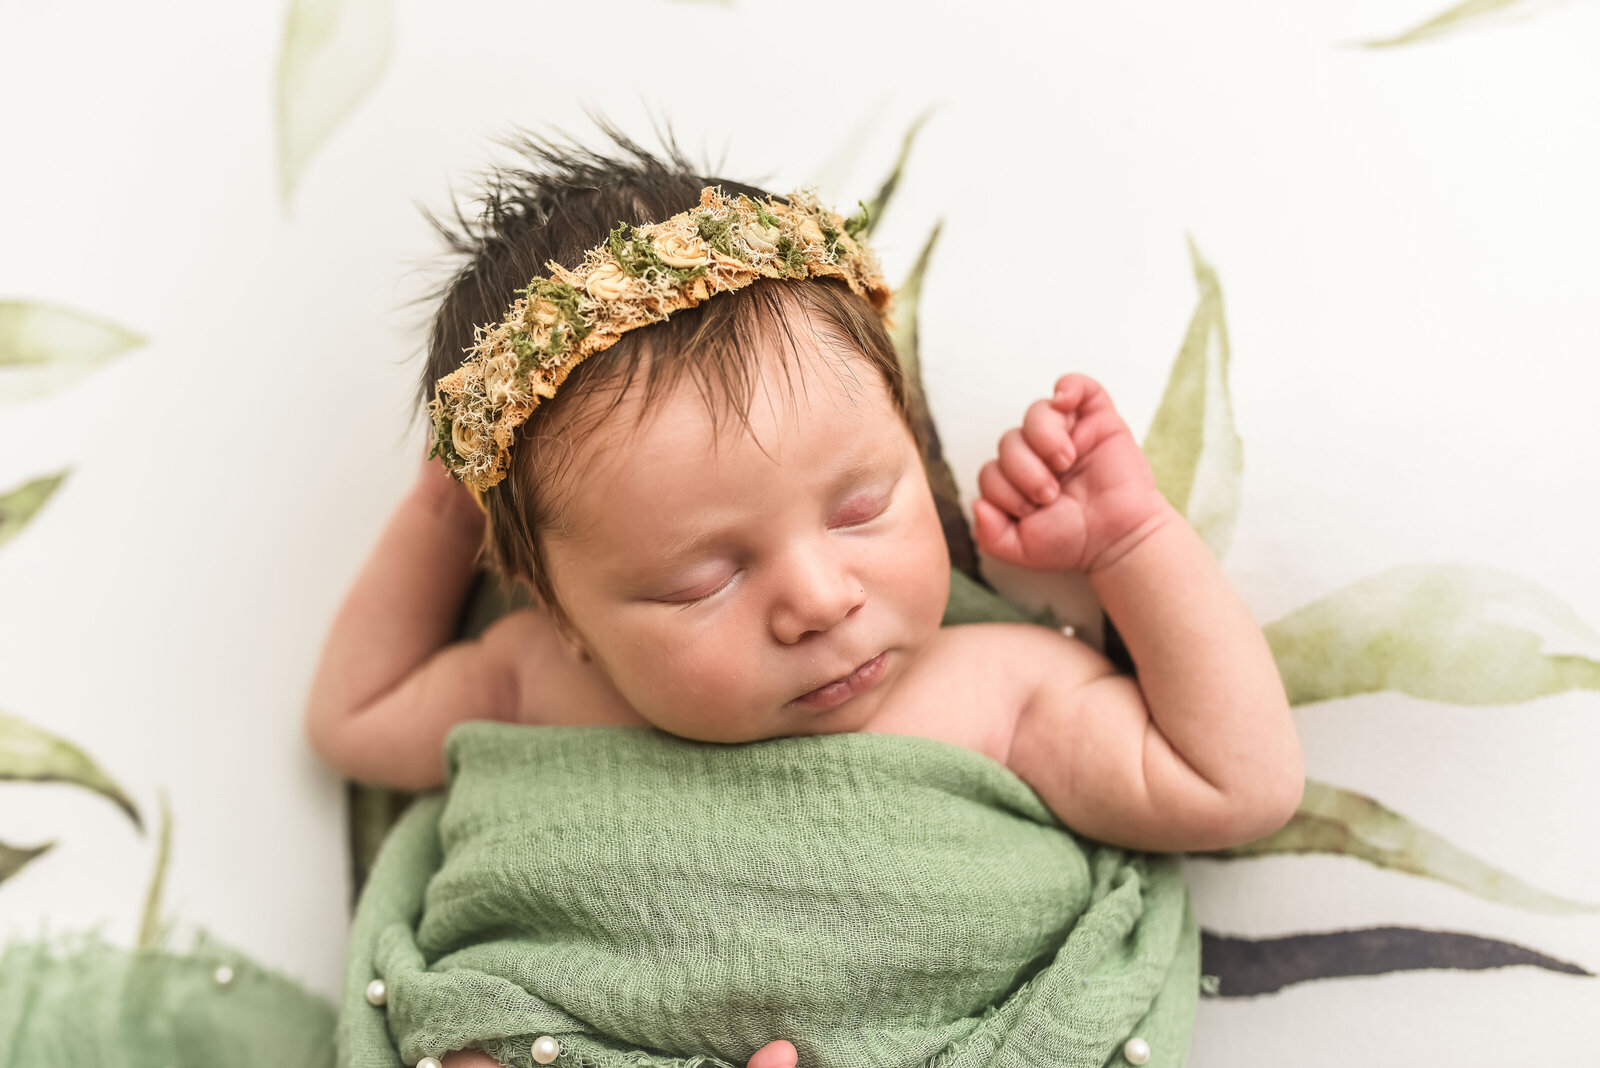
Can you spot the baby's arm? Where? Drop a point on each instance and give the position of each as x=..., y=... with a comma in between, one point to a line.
x=1201, y=751
x=390, y=683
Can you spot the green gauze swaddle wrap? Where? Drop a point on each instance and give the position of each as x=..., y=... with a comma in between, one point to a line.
x=879, y=900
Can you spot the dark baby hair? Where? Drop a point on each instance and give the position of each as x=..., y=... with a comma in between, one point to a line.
x=560, y=201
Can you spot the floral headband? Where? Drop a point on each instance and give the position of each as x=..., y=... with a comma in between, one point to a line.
x=640, y=275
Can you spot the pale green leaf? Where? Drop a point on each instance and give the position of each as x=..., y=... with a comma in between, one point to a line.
x=947, y=497
x=334, y=52
x=907, y=299
x=1335, y=821
x=1472, y=14
x=1443, y=632
x=28, y=754
x=14, y=859
x=1192, y=446
x=150, y=927
x=886, y=191
x=45, y=348
x=829, y=180
x=18, y=506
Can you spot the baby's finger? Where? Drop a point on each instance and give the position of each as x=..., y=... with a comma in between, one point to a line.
x=996, y=532
x=1046, y=431
x=1020, y=464
x=1075, y=391
x=998, y=490
x=774, y=1055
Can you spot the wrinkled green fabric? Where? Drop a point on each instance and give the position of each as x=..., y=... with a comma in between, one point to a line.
x=875, y=899
x=649, y=901
x=81, y=1002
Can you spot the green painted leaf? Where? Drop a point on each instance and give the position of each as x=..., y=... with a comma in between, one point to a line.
x=907, y=299
x=45, y=348
x=1246, y=967
x=1466, y=16
x=1341, y=822
x=13, y=859
x=18, y=506
x=1192, y=446
x=886, y=191
x=1466, y=635
x=334, y=52
x=28, y=754
x=829, y=179
x=151, y=932
x=946, y=496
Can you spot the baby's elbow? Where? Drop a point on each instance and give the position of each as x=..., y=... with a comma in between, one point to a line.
x=319, y=728
x=1269, y=813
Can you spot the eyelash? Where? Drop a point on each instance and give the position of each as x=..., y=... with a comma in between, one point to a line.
x=704, y=596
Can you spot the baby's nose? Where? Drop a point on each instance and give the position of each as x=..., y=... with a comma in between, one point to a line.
x=817, y=595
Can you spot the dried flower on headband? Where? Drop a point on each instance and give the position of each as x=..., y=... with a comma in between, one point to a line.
x=641, y=275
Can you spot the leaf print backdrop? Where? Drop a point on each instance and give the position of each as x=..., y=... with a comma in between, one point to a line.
x=1345, y=291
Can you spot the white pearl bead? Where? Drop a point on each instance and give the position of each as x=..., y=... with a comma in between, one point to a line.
x=1137, y=1050
x=222, y=976
x=377, y=992
x=429, y=1062
x=545, y=1049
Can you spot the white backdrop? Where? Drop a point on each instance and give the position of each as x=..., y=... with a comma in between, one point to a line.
x=1405, y=240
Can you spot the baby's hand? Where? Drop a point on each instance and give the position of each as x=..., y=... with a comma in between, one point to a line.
x=772, y=1055
x=1070, y=490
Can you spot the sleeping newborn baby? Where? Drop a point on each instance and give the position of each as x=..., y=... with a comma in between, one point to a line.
x=726, y=520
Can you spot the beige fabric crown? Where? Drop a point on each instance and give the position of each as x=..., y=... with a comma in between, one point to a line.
x=639, y=276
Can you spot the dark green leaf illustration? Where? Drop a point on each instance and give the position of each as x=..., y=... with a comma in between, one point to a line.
x=13, y=859
x=1466, y=635
x=18, y=506
x=886, y=191
x=45, y=348
x=1245, y=967
x=28, y=754
x=334, y=52
x=1192, y=446
x=1341, y=822
x=150, y=927
x=1466, y=16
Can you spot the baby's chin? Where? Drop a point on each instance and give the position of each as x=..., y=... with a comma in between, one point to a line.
x=785, y=721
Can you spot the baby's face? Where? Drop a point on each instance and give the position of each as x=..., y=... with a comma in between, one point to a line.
x=728, y=581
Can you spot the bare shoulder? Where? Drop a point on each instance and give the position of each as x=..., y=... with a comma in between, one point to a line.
x=554, y=687
x=973, y=681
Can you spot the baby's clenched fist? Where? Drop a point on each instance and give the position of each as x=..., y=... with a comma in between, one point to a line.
x=1070, y=488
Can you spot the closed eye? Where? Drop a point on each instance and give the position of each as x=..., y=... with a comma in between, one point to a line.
x=862, y=508
x=681, y=600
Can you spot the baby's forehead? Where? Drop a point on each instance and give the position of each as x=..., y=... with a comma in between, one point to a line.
x=685, y=455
